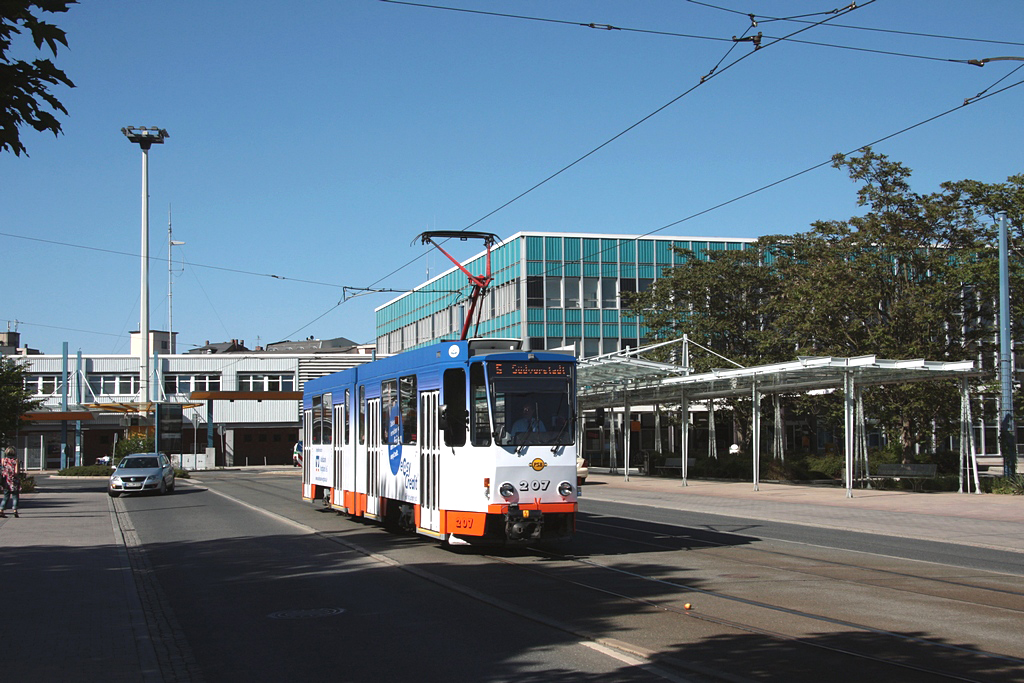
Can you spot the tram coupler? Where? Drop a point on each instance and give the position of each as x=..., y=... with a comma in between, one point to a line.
x=523, y=525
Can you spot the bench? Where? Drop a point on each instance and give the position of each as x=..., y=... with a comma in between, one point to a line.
x=915, y=472
x=672, y=465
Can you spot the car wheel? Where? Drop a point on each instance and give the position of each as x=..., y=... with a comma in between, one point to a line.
x=170, y=489
x=113, y=494
x=163, y=487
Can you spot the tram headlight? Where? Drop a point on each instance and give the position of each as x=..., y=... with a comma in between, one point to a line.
x=507, y=490
x=565, y=488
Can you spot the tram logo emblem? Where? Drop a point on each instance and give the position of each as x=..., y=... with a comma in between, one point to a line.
x=537, y=465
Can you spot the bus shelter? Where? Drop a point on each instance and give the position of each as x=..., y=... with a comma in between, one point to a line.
x=624, y=379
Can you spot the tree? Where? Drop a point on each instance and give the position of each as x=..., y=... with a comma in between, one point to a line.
x=25, y=97
x=916, y=276
x=15, y=400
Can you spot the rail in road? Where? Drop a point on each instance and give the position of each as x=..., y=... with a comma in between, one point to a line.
x=692, y=600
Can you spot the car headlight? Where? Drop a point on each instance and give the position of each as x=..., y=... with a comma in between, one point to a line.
x=565, y=488
x=116, y=481
x=507, y=490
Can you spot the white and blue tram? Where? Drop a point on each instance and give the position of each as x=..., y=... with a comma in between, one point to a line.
x=463, y=441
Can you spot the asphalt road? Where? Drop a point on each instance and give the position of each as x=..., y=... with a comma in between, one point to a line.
x=243, y=581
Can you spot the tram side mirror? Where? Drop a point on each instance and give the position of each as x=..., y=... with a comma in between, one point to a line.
x=442, y=417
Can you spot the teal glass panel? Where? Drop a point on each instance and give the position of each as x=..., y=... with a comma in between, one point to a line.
x=591, y=249
x=534, y=249
x=592, y=331
x=734, y=246
x=627, y=270
x=534, y=267
x=716, y=246
x=572, y=269
x=609, y=316
x=573, y=330
x=552, y=267
x=628, y=331
x=609, y=270
x=698, y=249
x=664, y=253
x=591, y=269
x=591, y=315
x=627, y=251
x=553, y=248
x=573, y=315
x=647, y=271
x=572, y=248
x=645, y=250
x=554, y=315
x=554, y=330
x=609, y=251
x=535, y=329
x=610, y=331
x=678, y=258
x=535, y=315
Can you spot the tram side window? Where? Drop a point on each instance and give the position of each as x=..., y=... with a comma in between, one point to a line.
x=362, y=415
x=479, y=424
x=407, y=401
x=389, y=411
x=344, y=419
x=326, y=420
x=455, y=407
x=317, y=406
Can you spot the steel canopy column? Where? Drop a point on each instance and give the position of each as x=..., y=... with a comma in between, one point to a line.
x=686, y=442
x=627, y=429
x=849, y=405
x=755, y=420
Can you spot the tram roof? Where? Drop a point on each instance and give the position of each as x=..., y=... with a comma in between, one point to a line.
x=603, y=381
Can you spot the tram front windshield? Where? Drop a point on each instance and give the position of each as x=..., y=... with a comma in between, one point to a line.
x=532, y=408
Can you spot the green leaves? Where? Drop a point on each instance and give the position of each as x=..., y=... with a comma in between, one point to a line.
x=25, y=97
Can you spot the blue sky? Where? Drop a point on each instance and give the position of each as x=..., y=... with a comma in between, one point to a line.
x=314, y=141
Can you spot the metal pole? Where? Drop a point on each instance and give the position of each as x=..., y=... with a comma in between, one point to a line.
x=144, y=286
x=1008, y=429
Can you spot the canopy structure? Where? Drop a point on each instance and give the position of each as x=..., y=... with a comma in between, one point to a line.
x=624, y=379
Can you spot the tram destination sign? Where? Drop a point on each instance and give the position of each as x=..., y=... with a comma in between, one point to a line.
x=531, y=369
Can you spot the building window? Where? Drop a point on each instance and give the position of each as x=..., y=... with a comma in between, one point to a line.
x=186, y=384
x=534, y=291
x=266, y=383
x=42, y=385
x=553, y=292
x=114, y=385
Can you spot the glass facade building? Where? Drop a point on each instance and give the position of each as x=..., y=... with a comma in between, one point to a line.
x=551, y=290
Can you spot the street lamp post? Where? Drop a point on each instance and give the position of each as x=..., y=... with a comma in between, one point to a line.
x=145, y=137
x=170, y=272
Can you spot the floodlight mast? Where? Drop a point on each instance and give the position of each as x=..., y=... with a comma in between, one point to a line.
x=144, y=137
x=479, y=282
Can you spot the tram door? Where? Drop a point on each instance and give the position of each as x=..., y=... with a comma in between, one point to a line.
x=374, y=447
x=342, y=478
x=430, y=460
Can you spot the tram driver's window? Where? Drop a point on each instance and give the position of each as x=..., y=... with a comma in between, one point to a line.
x=479, y=423
x=317, y=420
x=455, y=407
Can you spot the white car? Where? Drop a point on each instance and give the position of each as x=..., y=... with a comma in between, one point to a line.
x=142, y=472
x=581, y=469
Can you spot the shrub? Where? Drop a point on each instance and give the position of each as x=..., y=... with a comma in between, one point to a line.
x=825, y=466
x=1012, y=485
x=86, y=471
x=135, y=443
x=28, y=484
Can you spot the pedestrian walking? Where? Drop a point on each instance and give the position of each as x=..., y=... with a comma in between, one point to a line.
x=10, y=478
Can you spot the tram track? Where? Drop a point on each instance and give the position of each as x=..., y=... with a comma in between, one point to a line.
x=905, y=655
x=629, y=536
x=665, y=604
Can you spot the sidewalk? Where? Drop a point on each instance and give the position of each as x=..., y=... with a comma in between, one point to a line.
x=983, y=520
x=71, y=608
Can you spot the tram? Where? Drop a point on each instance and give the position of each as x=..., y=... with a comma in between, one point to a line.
x=470, y=441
